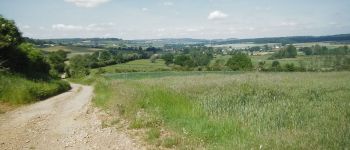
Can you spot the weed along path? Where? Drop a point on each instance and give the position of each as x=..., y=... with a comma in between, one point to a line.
x=66, y=121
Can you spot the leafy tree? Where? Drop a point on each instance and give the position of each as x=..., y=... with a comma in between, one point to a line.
x=288, y=52
x=200, y=58
x=56, y=60
x=9, y=34
x=168, y=58
x=254, y=48
x=291, y=51
x=307, y=50
x=104, y=56
x=78, y=66
x=19, y=56
x=33, y=62
x=184, y=60
x=240, y=61
x=276, y=66
x=218, y=65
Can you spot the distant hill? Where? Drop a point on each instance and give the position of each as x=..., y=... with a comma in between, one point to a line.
x=290, y=40
x=191, y=41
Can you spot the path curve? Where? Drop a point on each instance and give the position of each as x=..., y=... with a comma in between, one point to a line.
x=66, y=121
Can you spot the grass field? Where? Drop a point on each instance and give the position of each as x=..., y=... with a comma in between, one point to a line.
x=16, y=90
x=143, y=65
x=73, y=49
x=241, y=111
x=316, y=62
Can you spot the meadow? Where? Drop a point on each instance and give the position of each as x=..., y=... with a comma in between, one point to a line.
x=236, y=110
x=141, y=65
x=74, y=50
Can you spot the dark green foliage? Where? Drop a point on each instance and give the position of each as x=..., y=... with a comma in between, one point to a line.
x=104, y=56
x=26, y=78
x=194, y=57
x=56, y=60
x=307, y=50
x=9, y=34
x=276, y=66
x=323, y=50
x=18, y=56
x=288, y=52
x=254, y=49
x=184, y=60
x=261, y=66
x=219, y=65
x=290, y=67
x=240, y=61
x=78, y=66
x=168, y=58
x=200, y=58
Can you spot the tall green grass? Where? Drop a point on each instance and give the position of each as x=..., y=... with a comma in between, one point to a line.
x=15, y=89
x=240, y=111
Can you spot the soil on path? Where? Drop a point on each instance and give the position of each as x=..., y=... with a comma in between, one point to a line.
x=66, y=121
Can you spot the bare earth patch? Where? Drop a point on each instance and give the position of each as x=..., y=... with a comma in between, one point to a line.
x=66, y=121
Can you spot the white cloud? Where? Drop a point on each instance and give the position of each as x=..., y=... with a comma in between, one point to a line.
x=168, y=3
x=26, y=27
x=87, y=3
x=144, y=9
x=161, y=30
x=66, y=27
x=90, y=27
x=217, y=15
x=288, y=24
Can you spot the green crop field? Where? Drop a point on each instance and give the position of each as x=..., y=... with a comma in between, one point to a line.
x=233, y=110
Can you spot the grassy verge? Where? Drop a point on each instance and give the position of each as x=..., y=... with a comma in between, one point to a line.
x=245, y=111
x=16, y=90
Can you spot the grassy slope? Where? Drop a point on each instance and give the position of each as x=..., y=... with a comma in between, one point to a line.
x=16, y=90
x=73, y=49
x=143, y=65
x=270, y=110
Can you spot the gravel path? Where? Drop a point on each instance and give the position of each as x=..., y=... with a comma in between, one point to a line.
x=66, y=121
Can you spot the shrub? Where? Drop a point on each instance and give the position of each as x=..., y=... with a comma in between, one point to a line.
x=276, y=66
x=290, y=67
x=240, y=61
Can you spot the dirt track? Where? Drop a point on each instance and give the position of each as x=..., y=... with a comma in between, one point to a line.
x=66, y=121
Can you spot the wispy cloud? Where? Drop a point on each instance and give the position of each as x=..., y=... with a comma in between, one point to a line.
x=168, y=3
x=66, y=27
x=217, y=15
x=90, y=27
x=144, y=9
x=87, y=3
x=288, y=24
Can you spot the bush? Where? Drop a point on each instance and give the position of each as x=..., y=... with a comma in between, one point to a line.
x=240, y=61
x=168, y=58
x=290, y=67
x=276, y=66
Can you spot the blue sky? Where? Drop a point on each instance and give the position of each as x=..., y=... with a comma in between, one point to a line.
x=147, y=19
